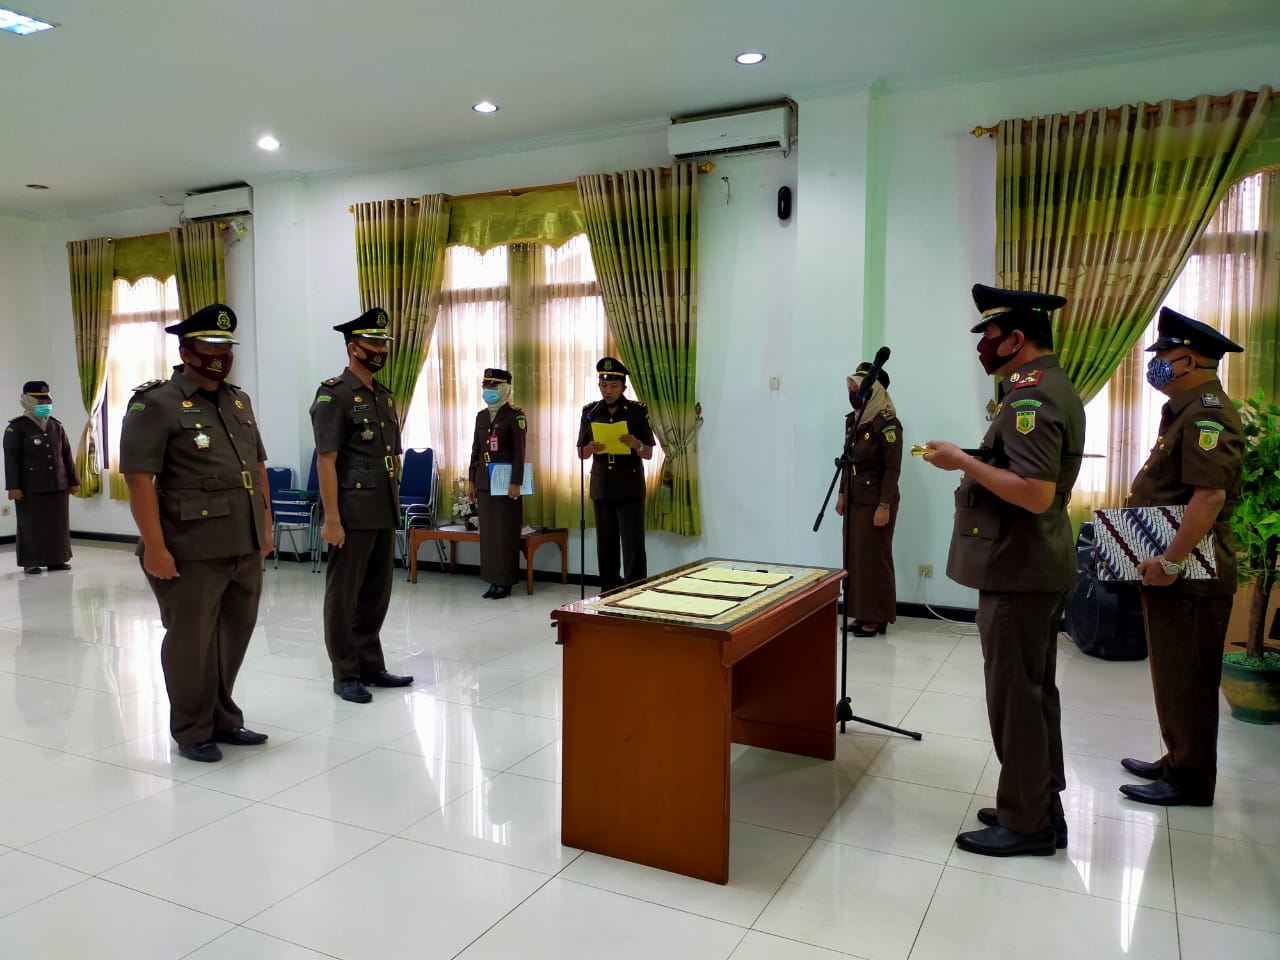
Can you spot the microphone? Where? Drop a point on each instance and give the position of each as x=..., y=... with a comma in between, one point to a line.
x=591, y=414
x=869, y=379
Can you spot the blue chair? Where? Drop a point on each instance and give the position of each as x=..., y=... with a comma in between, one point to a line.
x=419, y=484
x=294, y=511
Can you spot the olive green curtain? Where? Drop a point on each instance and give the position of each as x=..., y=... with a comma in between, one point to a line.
x=138, y=257
x=400, y=248
x=1103, y=207
x=90, y=263
x=198, y=265
x=643, y=228
x=542, y=216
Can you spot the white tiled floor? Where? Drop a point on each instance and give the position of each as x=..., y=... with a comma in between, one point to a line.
x=426, y=824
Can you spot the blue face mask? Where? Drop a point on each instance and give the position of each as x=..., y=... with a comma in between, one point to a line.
x=490, y=396
x=44, y=409
x=1160, y=371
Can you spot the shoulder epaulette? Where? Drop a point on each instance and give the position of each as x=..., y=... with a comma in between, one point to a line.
x=331, y=382
x=149, y=385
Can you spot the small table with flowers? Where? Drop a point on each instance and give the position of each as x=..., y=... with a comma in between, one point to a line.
x=529, y=543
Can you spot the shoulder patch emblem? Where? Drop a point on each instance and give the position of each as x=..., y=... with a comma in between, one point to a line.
x=1210, y=400
x=1026, y=402
x=1026, y=421
x=1209, y=431
x=134, y=407
x=520, y=421
x=1028, y=379
x=891, y=434
x=323, y=397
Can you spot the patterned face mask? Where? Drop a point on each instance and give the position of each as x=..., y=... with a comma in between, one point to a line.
x=1160, y=371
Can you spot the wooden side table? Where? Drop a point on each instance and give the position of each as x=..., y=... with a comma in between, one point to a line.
x=529, y=544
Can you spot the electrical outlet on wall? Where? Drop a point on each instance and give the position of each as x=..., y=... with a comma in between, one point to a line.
x=926, y=571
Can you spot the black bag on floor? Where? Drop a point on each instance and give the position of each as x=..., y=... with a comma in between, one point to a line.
x=1104, y=618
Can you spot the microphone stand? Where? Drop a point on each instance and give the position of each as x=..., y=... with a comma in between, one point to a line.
x=844, y=462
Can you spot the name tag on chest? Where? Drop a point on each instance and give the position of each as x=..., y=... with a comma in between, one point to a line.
x=493, y=443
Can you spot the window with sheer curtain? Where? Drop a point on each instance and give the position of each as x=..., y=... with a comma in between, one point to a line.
x=1222, y=285
x=138, y=350
x=534, y=310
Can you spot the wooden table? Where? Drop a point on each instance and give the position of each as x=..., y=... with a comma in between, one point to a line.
x=529, y=543
x=651, y=707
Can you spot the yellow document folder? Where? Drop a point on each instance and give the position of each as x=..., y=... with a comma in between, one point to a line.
x=610, y=434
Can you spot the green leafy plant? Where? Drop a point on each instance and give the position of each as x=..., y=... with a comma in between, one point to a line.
x=1256, y=520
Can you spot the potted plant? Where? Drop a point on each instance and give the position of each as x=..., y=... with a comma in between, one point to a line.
x=463, y=509
x=1251, y=677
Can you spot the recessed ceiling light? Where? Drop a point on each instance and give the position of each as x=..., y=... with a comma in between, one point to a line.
x=268, y=142
x=749, y=58
x=21, y=24
x=484, y=106
x=36, y=186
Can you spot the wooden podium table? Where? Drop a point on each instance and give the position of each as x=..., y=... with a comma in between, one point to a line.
x=529, y=543
x=653, y=701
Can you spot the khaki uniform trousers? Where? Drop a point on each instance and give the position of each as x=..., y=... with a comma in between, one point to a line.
x=357, y=593
x=209, y=613
x=1020, y=653
x=1185, y=637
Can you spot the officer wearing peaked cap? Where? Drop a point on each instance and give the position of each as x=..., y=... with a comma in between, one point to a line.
x=1196, y=462
x=40, y=476
x=1012, y=542
x=617, y=477
x=357, y=434
x=499, y=438
x=193, y=459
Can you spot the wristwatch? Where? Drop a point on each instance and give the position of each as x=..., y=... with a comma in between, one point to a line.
x=886, y=506
x=1169, y=567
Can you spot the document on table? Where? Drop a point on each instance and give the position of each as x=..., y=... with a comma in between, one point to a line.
x=610, y=434
x=703, y=587
x=730, y=575
x=500, y=479
x=673, y=603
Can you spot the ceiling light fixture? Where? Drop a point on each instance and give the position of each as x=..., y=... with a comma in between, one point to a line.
x=268, y=142
x=21, y=24
x=749, y=58
x=484, y=106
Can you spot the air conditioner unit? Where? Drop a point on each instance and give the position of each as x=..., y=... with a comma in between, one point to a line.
x=737, y=131
x=220, y=203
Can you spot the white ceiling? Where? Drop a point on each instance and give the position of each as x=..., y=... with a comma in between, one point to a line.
x=129, y=101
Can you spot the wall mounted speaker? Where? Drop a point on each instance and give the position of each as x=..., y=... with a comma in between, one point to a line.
x=784, y=203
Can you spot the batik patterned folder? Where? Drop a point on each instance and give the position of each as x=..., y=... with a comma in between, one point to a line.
x=1125, y=536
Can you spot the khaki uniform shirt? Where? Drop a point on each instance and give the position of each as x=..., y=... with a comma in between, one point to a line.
x=1201, y=444
x=362, y=427
x=38, y=461
x=1038, y=433
x=500, y=440
x=877, y=459
x=204, y=450
x=617, y=476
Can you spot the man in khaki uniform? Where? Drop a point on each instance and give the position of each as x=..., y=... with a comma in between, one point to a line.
x=196, y=469
x=1197, y=462
x=357, y=435
x=1012, y=542
x=617, y=480
x=499, y=438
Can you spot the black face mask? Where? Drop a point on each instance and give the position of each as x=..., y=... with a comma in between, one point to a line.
x=373, y=361
x=989, y=356
x=215, y=367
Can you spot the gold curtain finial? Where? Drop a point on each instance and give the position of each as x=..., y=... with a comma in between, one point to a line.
x=980, y=131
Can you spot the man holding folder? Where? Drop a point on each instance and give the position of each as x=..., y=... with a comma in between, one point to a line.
x=616, y=435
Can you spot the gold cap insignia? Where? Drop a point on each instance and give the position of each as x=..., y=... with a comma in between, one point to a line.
x=224, y=320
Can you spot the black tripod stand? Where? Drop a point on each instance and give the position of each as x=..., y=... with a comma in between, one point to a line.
x=844, y=464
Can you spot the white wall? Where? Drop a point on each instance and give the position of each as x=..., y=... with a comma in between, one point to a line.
x=893, y=221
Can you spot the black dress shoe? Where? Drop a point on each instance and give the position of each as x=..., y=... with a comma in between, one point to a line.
x=1002, y=842
x=488, y=594
x=240, y=736
x=30, y=569
x=352, y=690
x=206, y=751
x=1161, y=794
x=384, y=679
x=498, y=593
x=987, y=817
x=1144, y=769
x=59, y=566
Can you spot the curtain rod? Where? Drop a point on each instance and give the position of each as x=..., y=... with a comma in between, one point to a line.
x=706, y=167
x=221, y=225
x=981, y=131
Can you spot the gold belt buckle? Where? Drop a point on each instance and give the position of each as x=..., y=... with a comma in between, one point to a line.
x=247, y=479
x=389, y=463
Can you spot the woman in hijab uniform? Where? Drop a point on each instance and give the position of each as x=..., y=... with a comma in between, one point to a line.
x=499, y=438
x=40, y=475
x=876, y=452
